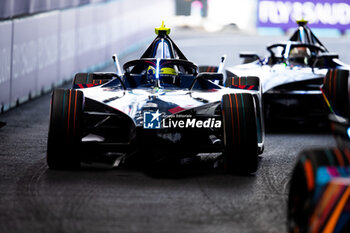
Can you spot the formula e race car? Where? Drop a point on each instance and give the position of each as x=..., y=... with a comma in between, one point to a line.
x=159, y=106
x=319, y=195
x=291, y=76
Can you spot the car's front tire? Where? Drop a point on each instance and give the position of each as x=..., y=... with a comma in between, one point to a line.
x=251, y=83
x=240, y=133
x=65, y=129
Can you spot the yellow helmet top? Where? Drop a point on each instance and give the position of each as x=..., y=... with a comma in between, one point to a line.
x=168, y=70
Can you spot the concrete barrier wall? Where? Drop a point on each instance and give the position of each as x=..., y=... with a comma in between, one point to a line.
x=5, y=61
x=39, y=52
x=24, y=59
x=67, y=44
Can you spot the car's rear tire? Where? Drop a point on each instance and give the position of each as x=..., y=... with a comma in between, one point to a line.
x=240, y=133
x=65, y=129
x=212, y=69
x=83, y=80
x=303, y=184
x=336, y=88
x=245, y=82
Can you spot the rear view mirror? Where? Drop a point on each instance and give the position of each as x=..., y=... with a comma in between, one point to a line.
x=249, y=57
x=208, y=76
x=325, y=60
x=327, y=56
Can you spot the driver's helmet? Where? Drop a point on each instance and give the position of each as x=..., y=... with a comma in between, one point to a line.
x=168, y=71
x=299, y=56
x=300, y=52
x=166, y=74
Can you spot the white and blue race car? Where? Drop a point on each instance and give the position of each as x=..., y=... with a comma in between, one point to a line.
x=158, y=106
x=291, y=76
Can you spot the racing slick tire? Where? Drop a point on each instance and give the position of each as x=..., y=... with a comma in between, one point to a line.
x=240, y=133
x=82, y=78
x=251, y=83
x=65, y=129
x=336, y=88
x=303, y=184
x=212, y=69
x=245, y=82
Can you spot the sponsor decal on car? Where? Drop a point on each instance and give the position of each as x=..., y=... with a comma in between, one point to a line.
x=153, y=120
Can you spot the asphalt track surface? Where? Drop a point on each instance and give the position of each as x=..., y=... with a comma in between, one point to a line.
x=196, y=199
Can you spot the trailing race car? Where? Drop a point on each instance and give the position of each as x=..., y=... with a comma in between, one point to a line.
x=291, y=76
x=319, y=195
x=160, y=106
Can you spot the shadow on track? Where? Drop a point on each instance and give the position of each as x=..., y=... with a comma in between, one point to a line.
x=167, y=167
